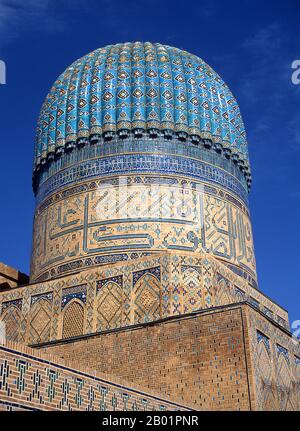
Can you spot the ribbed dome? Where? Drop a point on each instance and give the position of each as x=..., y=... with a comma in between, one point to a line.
x=140, y=88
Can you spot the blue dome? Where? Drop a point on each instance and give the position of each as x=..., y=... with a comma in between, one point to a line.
x=140, y=88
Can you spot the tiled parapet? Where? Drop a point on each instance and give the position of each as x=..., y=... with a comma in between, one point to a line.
x=127, y=293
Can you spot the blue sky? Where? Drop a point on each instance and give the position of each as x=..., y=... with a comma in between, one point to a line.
x=251, y=44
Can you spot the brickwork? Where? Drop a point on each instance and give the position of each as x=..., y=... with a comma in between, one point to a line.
x=209, y=359
x=30, y=380
x=200, y=359
x=142, y=263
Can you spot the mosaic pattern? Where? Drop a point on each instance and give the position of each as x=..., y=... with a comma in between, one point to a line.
x=110, y=303
x=160, y=164
x=174, y=174
x=139, y=87
x=112, y=222
x=12, y=318
x=283, y=351
x=240, y=294
x=15, y=303
x=130, y=292
x=117, y=280
x=78, y=292
x=131, y=145
x=276, y=375
x=40, y=318
x=46, y=296
x=141, y=176
x=147, y=295
x=73, y=320
x=194, y=295
x=264, y=339
x=139, y=274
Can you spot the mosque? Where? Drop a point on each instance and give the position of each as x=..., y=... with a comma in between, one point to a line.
x=143, y=291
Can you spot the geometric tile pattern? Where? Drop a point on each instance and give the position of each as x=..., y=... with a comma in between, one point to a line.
x=136, y=164
x=40, y=320
x=282, y=351
x=156, y=272
x=78, y=292
x=124, y=222
x=276, y=377
x=193, y=294
x=139, y=290
x=262, y=338
x=139, y=86
x=12, y=317
x=140, y=148
x=109, y=303
x=73, y=319
x=46, y=296
x=225, y=172
x=284, y=382
x=15, y=302
x=147, y=296
x=263, y=364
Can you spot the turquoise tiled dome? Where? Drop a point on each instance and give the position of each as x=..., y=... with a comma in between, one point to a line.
x=140, y=88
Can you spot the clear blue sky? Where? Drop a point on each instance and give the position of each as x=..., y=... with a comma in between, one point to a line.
x=251, y=44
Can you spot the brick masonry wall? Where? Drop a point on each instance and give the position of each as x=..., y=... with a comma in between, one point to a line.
x=200, y=358
x=228, y=358
x=31, y=380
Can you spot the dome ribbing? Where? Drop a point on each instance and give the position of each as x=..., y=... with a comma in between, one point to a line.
x=140, y=88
